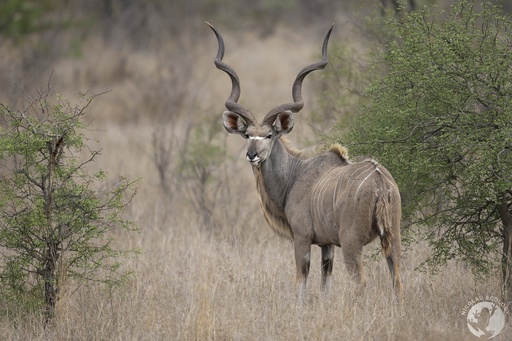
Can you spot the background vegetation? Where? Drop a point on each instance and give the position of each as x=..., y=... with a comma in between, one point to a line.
x=210, y=267
x=440, y=118
x=55, y=217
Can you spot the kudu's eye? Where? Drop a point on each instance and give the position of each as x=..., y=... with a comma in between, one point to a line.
x=246, y=135
x=269, y=136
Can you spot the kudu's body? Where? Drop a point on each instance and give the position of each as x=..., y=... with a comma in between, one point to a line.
x=324, y=200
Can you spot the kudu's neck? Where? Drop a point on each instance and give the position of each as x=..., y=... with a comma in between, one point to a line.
x=278, y=173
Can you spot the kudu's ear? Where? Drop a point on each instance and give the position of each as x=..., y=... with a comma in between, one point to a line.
x=234, y=123
x=283, y=123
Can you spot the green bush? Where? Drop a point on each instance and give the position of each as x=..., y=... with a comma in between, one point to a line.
x=440, y=119
x=55, y=217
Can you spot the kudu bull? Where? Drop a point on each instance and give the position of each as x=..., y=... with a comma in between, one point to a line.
x=324, y=200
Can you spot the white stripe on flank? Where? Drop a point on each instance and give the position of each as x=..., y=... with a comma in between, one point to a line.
x=334, y=196
x=350, y=183
x=362, y=182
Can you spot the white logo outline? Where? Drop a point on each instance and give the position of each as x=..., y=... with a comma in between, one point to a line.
x=485, y=319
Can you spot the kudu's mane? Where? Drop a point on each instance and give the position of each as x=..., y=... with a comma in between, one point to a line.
x=274, y=215
x=308, y=153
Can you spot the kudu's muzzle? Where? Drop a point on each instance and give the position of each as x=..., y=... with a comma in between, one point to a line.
x=252, y=154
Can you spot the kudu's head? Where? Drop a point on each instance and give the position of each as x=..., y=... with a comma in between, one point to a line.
x=239, y=120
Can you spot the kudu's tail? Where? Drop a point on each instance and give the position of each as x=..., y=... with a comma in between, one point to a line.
x=388, y=215
x=385, y=222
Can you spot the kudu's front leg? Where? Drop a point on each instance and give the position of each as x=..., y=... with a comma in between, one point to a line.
x=302, y=260
x=327, y=264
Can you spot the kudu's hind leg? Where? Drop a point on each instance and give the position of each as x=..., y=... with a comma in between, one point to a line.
x=327, y=264
x=395, y=276
x=387, y=219
x=352, y=253
x=392, y=254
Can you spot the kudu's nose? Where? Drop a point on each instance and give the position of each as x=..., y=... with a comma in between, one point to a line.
x=252, y=156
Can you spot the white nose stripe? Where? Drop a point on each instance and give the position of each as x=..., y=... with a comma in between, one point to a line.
x=256, y=138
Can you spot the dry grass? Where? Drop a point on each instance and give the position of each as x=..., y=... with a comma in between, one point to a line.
x=192, y=286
